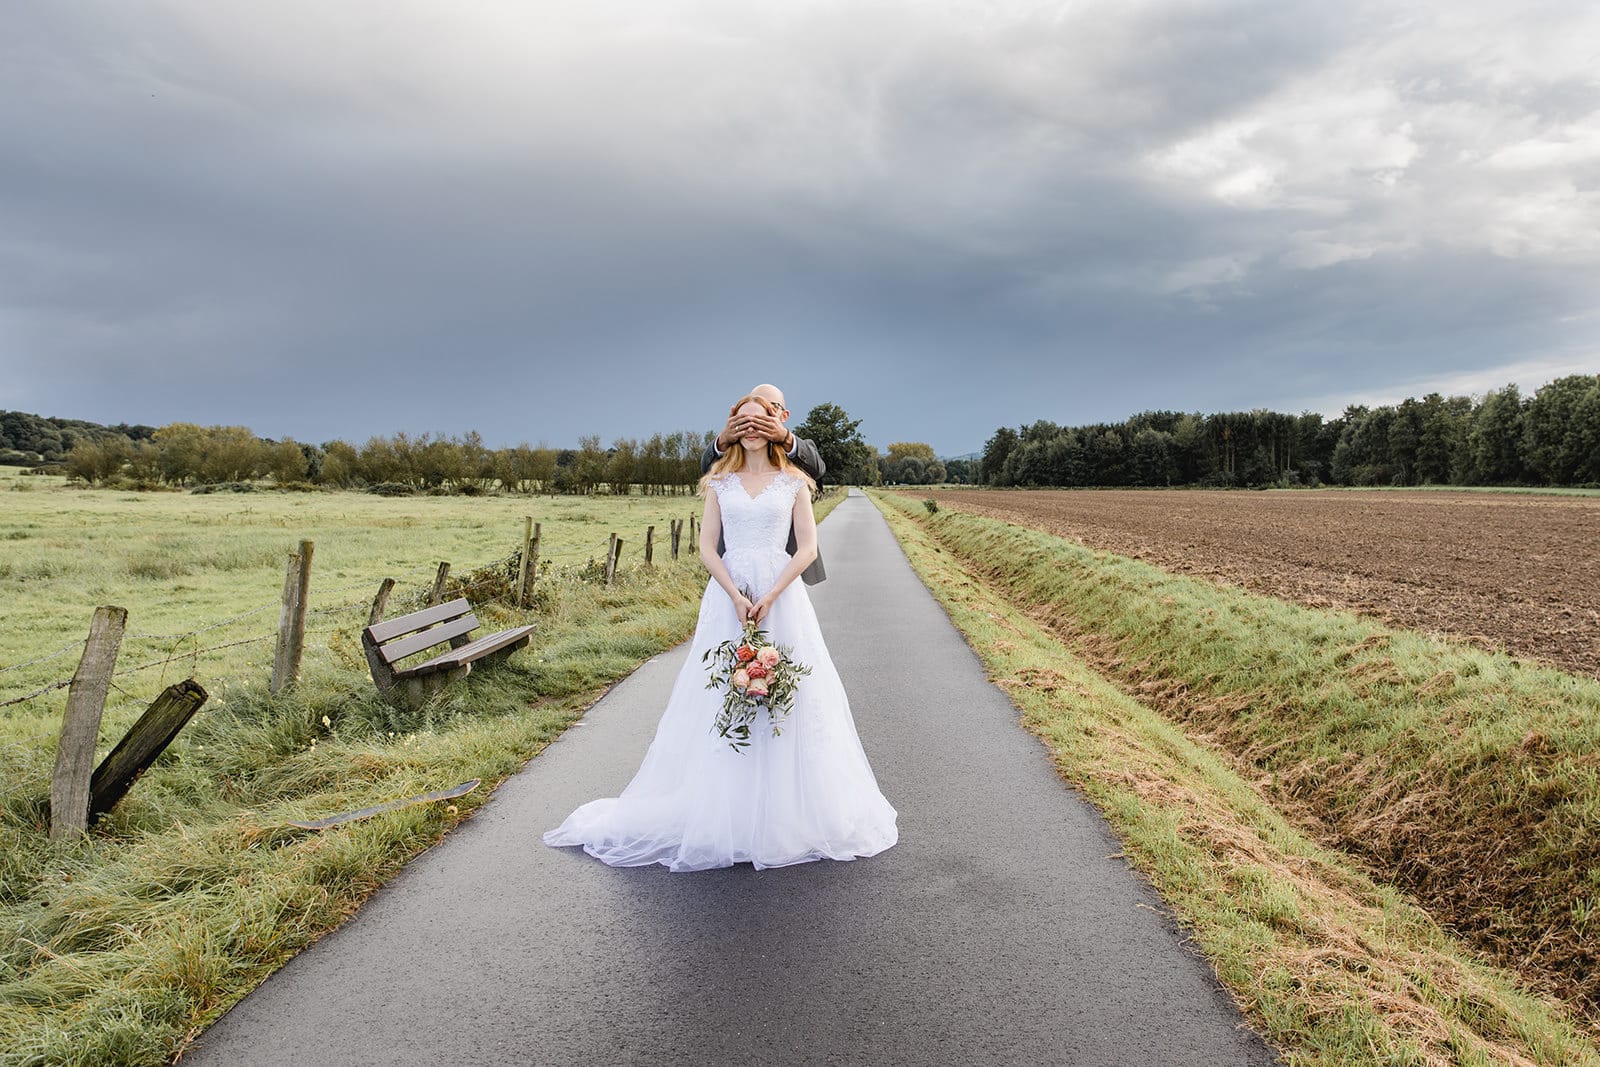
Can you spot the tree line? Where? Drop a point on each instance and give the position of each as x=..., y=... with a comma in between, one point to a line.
x=189, y=455
x=185, y=454
x=1504, y=438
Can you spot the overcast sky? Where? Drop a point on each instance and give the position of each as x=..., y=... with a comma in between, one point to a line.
x=541, y=219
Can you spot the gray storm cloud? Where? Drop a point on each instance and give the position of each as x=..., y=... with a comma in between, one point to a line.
x=542, y=220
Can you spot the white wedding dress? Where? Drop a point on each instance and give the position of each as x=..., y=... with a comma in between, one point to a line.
x=695, y=803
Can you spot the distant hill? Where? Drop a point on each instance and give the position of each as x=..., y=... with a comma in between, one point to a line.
x=968, y=456
x=27, y=440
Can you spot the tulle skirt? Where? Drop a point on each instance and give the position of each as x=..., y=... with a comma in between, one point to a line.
x=695, y=803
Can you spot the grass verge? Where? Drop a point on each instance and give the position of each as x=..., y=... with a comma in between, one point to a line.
x=1333, y=965
x=121, y=947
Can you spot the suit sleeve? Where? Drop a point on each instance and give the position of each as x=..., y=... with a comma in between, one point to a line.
x=708, y=457
x=808, y=459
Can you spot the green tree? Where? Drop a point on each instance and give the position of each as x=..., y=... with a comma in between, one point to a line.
x=589, y=466
x=996, y=450
x=231, y=454
x=846, y=455
x=181, y=446
x=905, y=449
x=622, y=465
x=1562, y=430
x=98, y=459
x=285, y=462
x=1495, y=439
x=341, y=464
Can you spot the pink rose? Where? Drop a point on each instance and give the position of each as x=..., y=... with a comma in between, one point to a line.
x=758, y=687
x=740, y=679
x=769, y=656
x=757, y=671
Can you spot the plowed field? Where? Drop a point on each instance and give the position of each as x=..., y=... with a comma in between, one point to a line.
x=1519, y=572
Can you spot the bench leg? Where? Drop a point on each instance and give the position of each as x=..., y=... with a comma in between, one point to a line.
x=382, y=675
x=418, y=691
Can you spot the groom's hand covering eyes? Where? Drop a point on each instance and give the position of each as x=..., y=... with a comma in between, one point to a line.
x=771, y=427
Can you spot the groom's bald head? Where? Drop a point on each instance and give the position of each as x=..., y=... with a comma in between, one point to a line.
x=770, y=392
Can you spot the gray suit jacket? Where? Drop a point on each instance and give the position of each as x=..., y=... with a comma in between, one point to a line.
x=808, y=459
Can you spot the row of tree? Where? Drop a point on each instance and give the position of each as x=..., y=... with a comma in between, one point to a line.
x=1550, y=438
x=183, y=454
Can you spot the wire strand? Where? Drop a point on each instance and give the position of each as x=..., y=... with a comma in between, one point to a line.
x=62, y=651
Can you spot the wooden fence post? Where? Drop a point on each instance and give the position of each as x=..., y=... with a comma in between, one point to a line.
x=676, y=526
x=80, y=726
x=292, y=621
x=522, y=571
x=380, y=603
x=149, y=737
x=530, y=552
x=437, y=596
x=613, y=553
x=694, y=537
x=649, y=544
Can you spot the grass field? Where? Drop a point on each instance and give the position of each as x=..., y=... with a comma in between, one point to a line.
x=179, y=562
x=1320, y=797
x=121, y=947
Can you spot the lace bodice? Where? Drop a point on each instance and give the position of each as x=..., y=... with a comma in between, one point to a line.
x=757, y=524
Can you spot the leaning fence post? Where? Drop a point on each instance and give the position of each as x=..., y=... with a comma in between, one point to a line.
x=80, y=725
x=437, y=596
x=292, y=621
x=522, y=569
x=649, y=544
x=146, y=740
x=380, y=603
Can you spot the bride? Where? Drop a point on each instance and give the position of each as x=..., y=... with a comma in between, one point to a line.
x=808, y=794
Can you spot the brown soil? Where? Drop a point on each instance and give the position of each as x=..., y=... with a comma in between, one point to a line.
x=1512, y=571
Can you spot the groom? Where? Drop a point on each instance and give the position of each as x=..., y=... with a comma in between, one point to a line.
x=802, y=453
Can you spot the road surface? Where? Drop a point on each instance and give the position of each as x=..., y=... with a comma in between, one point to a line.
x=999, y=930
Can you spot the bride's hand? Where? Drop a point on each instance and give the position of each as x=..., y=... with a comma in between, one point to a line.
x=758, y=611
x=742, y=607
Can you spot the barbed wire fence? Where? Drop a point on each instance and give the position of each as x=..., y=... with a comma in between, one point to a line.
x=413, y=590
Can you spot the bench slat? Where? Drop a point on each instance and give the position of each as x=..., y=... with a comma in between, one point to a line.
x=406, y=646
x=404, y=624
x=467, y=653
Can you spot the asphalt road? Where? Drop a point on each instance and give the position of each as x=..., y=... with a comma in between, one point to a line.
x=999, y=929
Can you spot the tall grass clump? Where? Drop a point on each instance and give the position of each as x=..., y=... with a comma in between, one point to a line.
x=1468, y=778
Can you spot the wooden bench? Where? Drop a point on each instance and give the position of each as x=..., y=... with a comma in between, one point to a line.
x=408, y=688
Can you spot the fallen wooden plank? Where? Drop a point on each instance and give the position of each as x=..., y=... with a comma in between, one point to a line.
x=139, y=748
x=391, y=805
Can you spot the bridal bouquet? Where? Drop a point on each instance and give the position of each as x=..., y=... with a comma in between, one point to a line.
x=754, y=673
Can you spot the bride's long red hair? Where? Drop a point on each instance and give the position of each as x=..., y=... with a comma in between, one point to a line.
x=734, y=458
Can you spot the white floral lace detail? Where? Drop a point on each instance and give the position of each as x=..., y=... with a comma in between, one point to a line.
x=757, y=525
